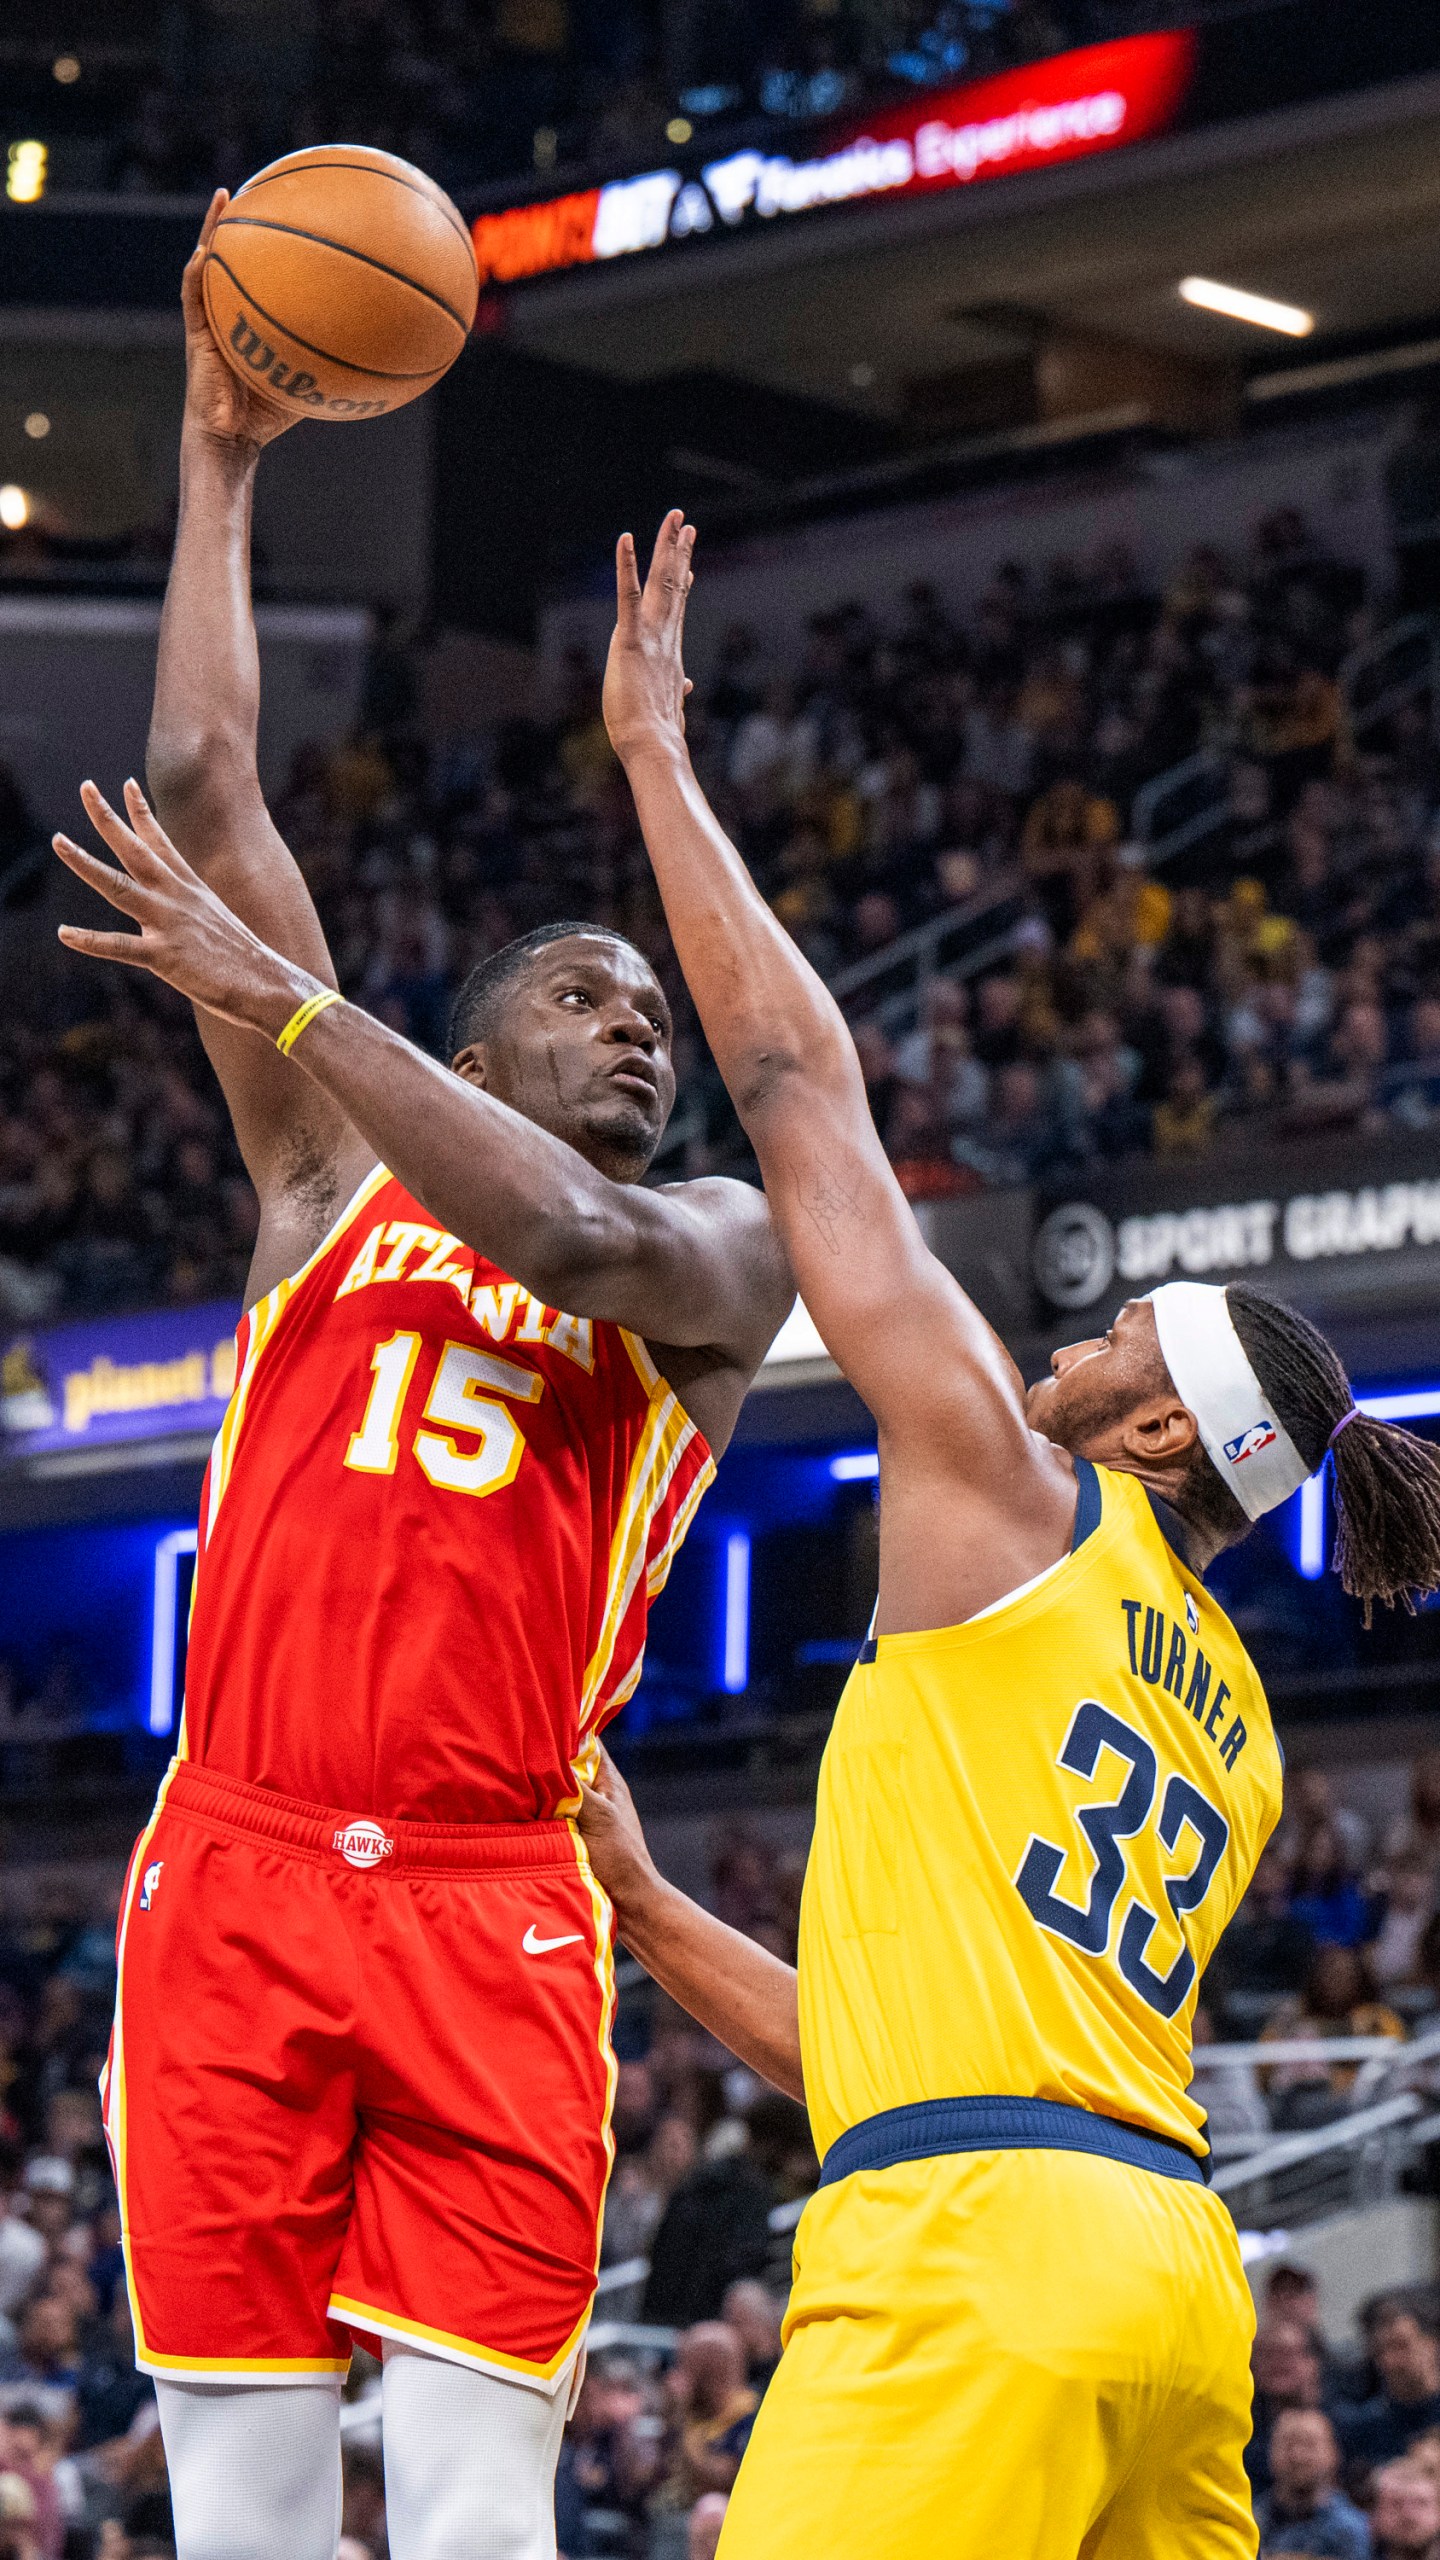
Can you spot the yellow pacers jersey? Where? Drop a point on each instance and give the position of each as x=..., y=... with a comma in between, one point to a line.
x=1031, y=1830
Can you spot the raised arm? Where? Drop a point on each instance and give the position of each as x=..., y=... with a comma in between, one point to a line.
x=735, y=1989
x=946, y=1394
x=697, y=1266
x=301, y=1154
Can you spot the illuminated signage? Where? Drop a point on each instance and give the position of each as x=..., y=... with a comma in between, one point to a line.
x=142, y=1377
x=1098, y=99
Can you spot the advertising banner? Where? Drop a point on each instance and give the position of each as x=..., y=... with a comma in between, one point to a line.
x=1354, y=1220
x=164, y=1374
x=1099, y=98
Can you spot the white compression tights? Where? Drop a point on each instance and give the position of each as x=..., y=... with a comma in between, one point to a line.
x=254, y=2469
x=469, y=2465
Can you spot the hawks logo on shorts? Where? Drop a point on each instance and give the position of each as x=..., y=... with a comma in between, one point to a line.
x=364, y=1844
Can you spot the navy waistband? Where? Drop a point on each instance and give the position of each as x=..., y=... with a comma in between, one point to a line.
x=937, y=2125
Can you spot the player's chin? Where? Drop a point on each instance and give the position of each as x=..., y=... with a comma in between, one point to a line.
x=1045, y=1412
x=629, y=1124
x=1040, y=1403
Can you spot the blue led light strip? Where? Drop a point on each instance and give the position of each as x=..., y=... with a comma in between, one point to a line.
x=735, y=1674
x=163, y=1627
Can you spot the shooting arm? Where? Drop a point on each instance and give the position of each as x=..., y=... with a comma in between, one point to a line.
x=201, y=766
x=741, y=1994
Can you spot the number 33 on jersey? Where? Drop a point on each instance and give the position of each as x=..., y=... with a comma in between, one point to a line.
x=433, y=1522
x=1044, y=1819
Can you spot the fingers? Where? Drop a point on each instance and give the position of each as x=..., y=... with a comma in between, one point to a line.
x=663, y=570
x=683, y=577
x=148, y=828
x=116, y=887
x=609, y=1783
x=191, y=291
x=128, y=947
x=627, y=578
x=124, y=843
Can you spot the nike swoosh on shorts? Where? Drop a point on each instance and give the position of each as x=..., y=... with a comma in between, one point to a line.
x=534, y=1946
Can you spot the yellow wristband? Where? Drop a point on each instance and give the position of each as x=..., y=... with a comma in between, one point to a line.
x=303, y=1016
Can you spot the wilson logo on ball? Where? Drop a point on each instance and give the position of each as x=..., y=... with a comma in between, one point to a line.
x=340, y=280
x=258, y=358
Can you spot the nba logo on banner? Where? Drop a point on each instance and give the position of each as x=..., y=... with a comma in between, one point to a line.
x=147, y=1889
x=1259, y=1436
x=364, y=1844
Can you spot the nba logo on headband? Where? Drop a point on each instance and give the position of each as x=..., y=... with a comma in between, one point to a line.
x=1254, y=1457
x=1259, y=1436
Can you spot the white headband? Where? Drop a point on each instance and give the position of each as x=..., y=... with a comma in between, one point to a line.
x=1253, y=1455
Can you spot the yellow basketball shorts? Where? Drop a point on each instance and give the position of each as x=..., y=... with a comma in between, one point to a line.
x=1012, y=2355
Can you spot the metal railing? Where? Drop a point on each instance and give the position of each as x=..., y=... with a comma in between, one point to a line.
x=1189, y=802
x=1394, y=668
x=890, y=985
x=1183, y=806
x=1357, y=2159
x=1176, y=810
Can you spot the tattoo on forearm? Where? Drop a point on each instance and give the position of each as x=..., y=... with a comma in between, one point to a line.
x=825, y=1201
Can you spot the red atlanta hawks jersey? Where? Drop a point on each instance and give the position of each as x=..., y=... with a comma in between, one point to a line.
x=433, y=1522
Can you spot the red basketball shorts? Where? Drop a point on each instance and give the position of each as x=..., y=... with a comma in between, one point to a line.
x=360, y=2079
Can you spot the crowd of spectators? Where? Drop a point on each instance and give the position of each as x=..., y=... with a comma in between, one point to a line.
x=483, y=90
x=1338, y=1937
x=1281, y=979
x=1345, y=2457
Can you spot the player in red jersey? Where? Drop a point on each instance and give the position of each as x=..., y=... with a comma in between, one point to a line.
x=360, y=2078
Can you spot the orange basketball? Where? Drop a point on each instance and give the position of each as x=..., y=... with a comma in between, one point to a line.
x=341, y=281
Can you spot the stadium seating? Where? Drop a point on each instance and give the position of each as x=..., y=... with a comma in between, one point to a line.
x=1097, y=872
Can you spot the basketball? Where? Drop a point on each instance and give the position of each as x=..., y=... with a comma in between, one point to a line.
x=341, y=281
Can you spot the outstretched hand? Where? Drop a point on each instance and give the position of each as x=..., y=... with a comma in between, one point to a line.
x=216, y=400
x=187, y=935
x=645, y=679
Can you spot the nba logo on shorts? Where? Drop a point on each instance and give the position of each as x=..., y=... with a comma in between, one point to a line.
x=1259, y=1436
x=363, y=1844
x=147, y=1889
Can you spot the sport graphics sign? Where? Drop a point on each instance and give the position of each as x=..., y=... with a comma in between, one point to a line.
x=1353, y=1221
x=1099, y=98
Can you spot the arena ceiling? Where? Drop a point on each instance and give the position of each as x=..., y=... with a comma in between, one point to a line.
x=1335, y=207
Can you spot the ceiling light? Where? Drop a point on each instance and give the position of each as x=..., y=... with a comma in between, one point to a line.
x=14, y=507
x=26, y=164
x=1257, y=308
x=37, y=425
x=66, y=69
x=862, y=376
x=679, y=129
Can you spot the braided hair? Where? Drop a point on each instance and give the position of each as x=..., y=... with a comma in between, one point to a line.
x=1387, y=1481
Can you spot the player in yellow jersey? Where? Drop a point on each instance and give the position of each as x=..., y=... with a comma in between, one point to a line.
x=1019, y=2326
